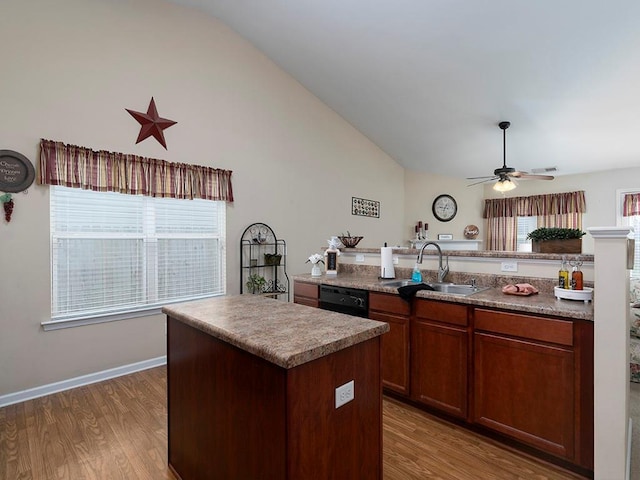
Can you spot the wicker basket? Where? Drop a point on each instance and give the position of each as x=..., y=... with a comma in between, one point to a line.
x=272, y=258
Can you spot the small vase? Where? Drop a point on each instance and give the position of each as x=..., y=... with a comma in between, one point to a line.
x=316, y=271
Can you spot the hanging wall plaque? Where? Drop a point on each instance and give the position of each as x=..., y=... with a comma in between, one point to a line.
x=16, y=172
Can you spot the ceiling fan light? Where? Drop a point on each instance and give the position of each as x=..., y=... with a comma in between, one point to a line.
x=504, y=185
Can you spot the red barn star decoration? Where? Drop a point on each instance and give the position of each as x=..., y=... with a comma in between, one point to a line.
x=151, y=124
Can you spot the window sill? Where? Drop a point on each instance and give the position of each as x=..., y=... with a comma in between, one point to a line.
x=113, y=317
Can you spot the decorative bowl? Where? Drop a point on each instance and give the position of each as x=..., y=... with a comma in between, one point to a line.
x=350, y=242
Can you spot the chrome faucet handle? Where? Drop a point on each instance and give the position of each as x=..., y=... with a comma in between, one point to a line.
x=472, y=282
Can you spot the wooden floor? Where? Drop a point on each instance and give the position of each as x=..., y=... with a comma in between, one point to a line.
x=117, y=429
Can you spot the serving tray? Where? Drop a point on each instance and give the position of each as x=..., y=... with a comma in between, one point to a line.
x=586, y=295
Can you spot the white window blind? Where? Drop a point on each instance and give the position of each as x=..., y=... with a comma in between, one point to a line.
x=526, y=225
x=113, y=253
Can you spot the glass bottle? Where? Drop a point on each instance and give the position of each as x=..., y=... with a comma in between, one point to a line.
x=576, y=277
x=563, y=275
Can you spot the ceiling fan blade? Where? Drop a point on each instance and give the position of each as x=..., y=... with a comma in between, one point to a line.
x=490, y=179
x=478, y=178
x=525, y=175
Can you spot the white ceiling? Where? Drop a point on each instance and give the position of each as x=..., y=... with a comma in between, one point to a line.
x=429, y=80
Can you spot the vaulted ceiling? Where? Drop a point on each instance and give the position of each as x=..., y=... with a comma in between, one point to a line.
x=429, y=80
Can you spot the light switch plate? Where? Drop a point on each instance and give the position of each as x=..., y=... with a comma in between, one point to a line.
x=395, y=260
x=509, y=267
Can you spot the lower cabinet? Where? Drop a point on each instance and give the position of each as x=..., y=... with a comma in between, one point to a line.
x=394, y=354
x=533, y=382
x=528, y=378
x=305, y=293
x=439, y=356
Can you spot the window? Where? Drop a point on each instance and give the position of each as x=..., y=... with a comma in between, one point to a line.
x=631, y=221
x=525, y=226
x=114, y=254
x=634, y=222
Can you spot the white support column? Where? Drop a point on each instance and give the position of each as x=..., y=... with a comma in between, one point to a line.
x=611, y=352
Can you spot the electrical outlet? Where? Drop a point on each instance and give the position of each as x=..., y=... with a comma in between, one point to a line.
x=360, y=258
x=395, y=260
x=509, y=267
x=345, y=393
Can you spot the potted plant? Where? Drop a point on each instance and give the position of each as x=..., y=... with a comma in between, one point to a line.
x=556, y=240
x=255, y=283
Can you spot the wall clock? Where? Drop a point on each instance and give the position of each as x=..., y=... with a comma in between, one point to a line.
x=444, y=208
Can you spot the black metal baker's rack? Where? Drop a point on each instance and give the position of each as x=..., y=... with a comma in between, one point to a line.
x=263, y=255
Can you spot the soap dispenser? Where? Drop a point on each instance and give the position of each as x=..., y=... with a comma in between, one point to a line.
x=416, y=276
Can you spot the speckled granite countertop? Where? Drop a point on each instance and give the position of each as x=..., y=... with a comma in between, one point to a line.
x=282, y=333
x=543, y=303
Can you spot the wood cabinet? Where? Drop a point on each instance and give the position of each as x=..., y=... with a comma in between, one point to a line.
x=439, y=356
x=232, y=414
x=533, y=382
x=305, y=293
x=526, y=377
x=395, y=343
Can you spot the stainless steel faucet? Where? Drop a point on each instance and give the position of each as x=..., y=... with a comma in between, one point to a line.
x=442, y=271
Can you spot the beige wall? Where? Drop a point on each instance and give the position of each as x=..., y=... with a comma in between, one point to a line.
x=71, y=67
x=599, y=187
x=599, y=190
x=420, y=191
x=69, y=70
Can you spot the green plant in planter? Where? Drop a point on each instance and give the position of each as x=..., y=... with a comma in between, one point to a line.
x=255, y=283
x=545, y=233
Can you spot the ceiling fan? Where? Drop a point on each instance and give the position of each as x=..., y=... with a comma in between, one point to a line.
x=505, y=175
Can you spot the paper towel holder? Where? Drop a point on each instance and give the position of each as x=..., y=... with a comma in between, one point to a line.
x=387, y=270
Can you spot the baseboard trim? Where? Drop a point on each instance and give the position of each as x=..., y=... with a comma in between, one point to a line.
x=17, y=397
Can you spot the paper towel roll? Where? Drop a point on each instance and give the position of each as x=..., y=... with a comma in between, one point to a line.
x=386, y=263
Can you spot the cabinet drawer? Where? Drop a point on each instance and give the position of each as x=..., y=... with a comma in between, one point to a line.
x=385, y=302
x=309, y=290
x=525, y=326
x=442, y=312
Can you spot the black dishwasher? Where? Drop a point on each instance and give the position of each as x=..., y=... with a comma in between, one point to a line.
x=352, y=301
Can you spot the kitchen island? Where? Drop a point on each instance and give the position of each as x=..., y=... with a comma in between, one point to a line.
x=253, y=385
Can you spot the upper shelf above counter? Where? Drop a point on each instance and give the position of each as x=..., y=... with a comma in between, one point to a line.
x=471, y=245
x=497, y=254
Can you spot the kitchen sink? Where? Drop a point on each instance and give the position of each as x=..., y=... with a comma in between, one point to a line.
x=457, y=289
x=450, y=288
x=398, y=283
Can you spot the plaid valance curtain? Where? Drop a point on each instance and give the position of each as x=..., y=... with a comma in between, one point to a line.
x=80, y=167
x=631, y=205
x=535, y=205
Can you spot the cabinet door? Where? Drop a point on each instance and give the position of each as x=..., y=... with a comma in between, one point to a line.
x=439, y=366
x=395, y=343
x=394, y=352
x=524, y=389
x=305, y=293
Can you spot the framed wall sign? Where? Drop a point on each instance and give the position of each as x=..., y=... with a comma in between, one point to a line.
x=445, y=236
x=364, y=207
x=16, y=172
